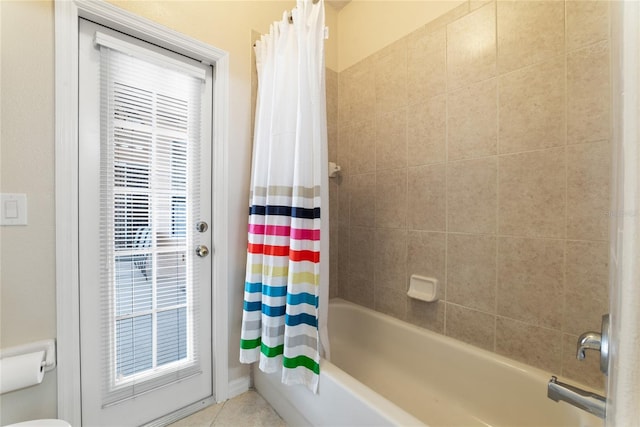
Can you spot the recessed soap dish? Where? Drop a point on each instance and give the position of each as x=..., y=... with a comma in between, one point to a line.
x=423, y=288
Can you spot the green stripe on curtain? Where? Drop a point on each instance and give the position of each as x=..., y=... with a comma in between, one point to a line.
x=271, y=351
x=301, y=361
x=249, y=344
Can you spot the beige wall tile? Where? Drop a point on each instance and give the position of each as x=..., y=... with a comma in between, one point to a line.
x=332, y=143
x=362, y=152
x=357, y=96
x=471, y=326
x=471, y=271
x=588, y=191
x=427, y=203
x=531, y=193
x=343, y=97
x=426, y=254
x=530, y=280
x=471, y=48
x=331, y=83
x=391, y=258
x=529, y=32
x=588, y=94
x=334, y=257
x=429, y=315
x=472, y=121
x=472, y=196
x=334, y=263
x=427, y=131
x=362, y=190
x=391, y=301
x=532, y=107
x=586, y=286
x=587, y=22
x=343, y=152
x=358, y=290
x=539, y=347
x=361, y=253
x=333, y=204
x=420, y=123
x=426, y=66
x=344, y=200
x=391, y=140
x=391, y=198
x=343, y=260
x=585, y=371
x=391, y=80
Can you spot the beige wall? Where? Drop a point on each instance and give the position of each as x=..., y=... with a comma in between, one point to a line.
x=27, y=258
x=331, y=45
x=477, y=152
x=367, y=26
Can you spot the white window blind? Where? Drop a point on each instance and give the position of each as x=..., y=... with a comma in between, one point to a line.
x=150, y=136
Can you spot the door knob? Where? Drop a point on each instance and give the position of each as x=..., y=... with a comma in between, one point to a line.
x=202, y=251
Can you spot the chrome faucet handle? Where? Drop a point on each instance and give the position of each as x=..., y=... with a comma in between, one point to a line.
x=588, y=341
x=596, y=341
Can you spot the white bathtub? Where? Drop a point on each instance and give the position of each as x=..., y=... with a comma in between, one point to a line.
x=388, y=372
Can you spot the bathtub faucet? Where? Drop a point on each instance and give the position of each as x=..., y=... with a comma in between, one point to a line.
x=590, y=402
x=588, y=341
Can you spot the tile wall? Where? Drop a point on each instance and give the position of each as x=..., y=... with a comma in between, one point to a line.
x=476, y=151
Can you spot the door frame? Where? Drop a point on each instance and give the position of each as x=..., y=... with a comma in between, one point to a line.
x=67, y=14
x=623, y=392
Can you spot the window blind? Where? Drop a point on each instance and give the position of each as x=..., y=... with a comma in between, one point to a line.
x=150, y=145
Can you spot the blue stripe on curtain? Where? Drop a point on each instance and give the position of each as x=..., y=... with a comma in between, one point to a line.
x=303, y=298
x=266, y=309
x=271, y=291
x=302, y=318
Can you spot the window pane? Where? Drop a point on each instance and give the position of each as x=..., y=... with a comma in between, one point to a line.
x=134, y=288
x=132, y=221
x=172, y=279
x=132, y=104
x=134, y=345
x=172, y=335
x=132, y=157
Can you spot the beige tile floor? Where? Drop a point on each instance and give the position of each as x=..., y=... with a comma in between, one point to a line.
x=247, y=410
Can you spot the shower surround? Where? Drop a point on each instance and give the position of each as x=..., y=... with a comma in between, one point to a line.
x=476, y=150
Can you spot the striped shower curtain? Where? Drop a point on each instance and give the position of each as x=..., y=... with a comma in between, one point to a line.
x=281, y=317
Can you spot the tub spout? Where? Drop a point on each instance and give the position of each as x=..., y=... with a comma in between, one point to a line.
x=590, y=402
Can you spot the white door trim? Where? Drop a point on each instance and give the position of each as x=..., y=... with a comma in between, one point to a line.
x=67, y=14
x=624, y=374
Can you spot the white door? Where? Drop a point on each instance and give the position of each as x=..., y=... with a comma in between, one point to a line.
x=145, y=195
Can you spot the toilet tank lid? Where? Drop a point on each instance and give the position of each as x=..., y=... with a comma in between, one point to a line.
x=41, y=423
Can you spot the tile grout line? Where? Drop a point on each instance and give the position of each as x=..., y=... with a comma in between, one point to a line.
x=566, y=191
x=497, y=206
x=213, y=421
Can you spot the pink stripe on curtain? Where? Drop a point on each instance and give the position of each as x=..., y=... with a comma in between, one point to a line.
x=283, y=230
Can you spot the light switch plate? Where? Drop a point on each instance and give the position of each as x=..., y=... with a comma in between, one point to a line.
x=13, y=209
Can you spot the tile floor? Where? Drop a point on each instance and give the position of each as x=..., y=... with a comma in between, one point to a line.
x=247, y=410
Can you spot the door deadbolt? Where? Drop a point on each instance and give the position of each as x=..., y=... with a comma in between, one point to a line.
x=202, y=251
x=202, y=226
